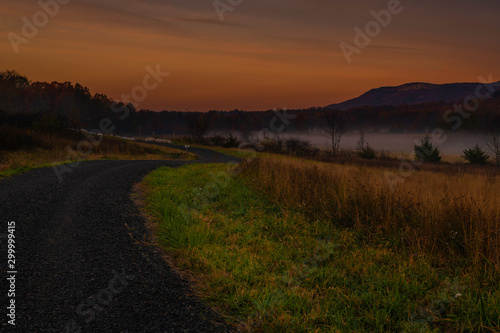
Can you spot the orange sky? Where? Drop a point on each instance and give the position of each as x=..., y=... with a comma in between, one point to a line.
x=265, y=54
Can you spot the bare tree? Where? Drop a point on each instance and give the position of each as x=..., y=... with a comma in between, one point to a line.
x=492, y=141
x=362, y=142
x=334, y=128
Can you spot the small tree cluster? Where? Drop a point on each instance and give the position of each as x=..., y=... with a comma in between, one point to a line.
x=476, y=155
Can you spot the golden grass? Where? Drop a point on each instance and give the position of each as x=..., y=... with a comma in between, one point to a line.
x=448, y=214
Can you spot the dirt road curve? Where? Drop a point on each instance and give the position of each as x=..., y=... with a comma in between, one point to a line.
x=79, y=266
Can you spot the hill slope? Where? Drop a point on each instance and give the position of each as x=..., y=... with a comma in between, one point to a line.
x=413, y=93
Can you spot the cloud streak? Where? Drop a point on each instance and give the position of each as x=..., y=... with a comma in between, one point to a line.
x=266, y=54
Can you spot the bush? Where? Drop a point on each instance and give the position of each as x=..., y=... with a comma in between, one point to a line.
x=232, y=142
x=298, y=147
x=367, y=152
x=476, y=155
x=427, y=152
x=272, y=145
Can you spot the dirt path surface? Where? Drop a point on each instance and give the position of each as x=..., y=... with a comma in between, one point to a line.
x=80, y=262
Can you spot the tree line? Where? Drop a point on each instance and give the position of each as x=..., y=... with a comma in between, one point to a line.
x=23, y=102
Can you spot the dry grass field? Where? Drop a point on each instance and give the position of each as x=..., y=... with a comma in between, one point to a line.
x=454, y=213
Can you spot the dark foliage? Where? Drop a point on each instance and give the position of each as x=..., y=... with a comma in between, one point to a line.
x=229, y=141
x=50, y=123
x=13, y=138
x=427, y=152
x=367, y=152
x=197, y=124
x=300, y=147
x=476, y=155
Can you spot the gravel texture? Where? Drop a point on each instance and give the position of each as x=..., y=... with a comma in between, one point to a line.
x=81, y=260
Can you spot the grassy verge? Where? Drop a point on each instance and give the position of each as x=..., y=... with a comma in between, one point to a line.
x=24, y=150
x=273, y=267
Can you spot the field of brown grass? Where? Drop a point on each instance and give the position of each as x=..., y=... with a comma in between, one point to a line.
x=447, y=213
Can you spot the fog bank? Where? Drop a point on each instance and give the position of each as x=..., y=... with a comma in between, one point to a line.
x=454, y=144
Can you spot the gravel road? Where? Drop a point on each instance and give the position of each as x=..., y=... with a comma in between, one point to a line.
x=79, y=265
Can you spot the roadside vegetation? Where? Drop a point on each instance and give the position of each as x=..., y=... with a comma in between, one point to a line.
x=23, y=149
x=426, y=155
x=290, y=245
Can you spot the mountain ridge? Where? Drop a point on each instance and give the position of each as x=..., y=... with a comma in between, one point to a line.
x=414, y=93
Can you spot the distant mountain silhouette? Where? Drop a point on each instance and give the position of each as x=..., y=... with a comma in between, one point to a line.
x=413, y=93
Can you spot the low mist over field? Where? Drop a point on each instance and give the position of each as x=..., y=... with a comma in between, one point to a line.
x=453, y=145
